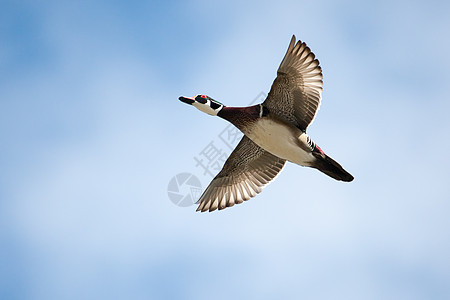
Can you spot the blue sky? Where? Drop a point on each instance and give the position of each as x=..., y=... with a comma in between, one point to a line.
x=92, y=133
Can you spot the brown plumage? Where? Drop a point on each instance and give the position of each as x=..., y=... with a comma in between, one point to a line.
x=274, y=132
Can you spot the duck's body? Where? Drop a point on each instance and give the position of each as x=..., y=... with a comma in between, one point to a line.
x=271, y=133
x=274, y=132
x=282, y=139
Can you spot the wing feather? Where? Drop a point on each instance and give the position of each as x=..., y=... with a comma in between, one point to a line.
x=248, y=169
x=296, y=93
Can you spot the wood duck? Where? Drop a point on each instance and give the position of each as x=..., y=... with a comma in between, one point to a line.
x=274, y=132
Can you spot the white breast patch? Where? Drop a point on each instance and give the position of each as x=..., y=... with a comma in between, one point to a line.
x=281, y=140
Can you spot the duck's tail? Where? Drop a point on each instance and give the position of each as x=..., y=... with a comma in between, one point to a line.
x=329, y=166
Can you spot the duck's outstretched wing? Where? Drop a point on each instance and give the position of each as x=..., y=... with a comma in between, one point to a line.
x=297, y=91
x=248, y=169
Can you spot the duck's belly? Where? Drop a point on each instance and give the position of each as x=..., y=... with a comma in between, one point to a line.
x=281, y=140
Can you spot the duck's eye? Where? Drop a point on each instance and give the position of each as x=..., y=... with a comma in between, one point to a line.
x=201, y=99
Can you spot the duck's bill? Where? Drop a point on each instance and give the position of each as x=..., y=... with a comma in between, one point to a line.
x=187, y=100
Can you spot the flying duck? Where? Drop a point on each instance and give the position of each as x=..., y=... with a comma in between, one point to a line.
x=274, y=132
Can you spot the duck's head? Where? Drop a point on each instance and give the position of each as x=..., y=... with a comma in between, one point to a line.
x=204, y=103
